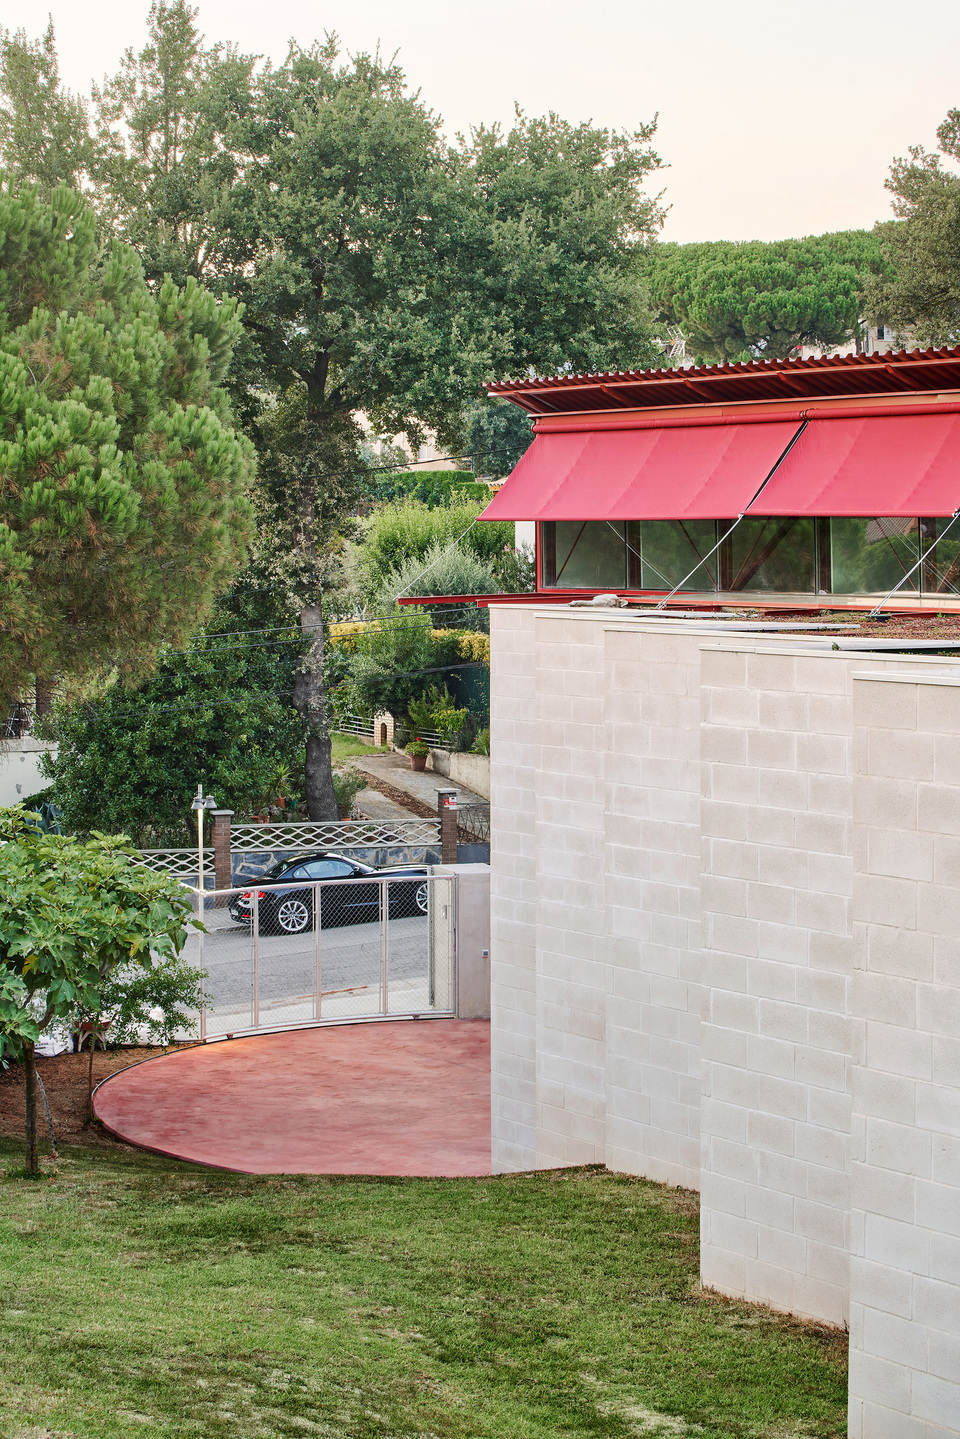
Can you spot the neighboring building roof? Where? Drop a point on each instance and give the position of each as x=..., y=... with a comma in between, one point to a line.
x=898, y=373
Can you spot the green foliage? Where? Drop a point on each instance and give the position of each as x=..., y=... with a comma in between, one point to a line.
x=218, y=711
x=123, y=510
x=743, y=300
x=400, y=535
x=347, y=784
x=156, y=1001
x=921, y=287
x=162, y=161
x=440, y=571
x=74, y=912
x=430, y=487
x=481, y=744
x=391, y=664
x=496, y=433
x=17, y=1023
x=417, y=748
x=382, y=271
x=44, y=133
x=435, y=710
x=76, y=919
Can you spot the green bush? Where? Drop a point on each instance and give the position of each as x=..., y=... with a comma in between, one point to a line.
x=400, y=533
x=347, y=784
x=129, y=759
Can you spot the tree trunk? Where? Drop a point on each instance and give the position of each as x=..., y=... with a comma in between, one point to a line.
x=30, y=1097
x=93, y=1045
x=309, y=700
x=44, y=696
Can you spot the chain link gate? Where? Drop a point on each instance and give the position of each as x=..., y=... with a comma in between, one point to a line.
x=325, y=951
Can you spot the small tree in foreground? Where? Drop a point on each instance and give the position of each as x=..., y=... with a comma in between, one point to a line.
x=73, y=918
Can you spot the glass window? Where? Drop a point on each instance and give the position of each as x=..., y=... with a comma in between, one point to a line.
x=584, y=555
x=941, y=556
x=663, y=552
x=870, y=556
x=775, y=554
x=328, y=869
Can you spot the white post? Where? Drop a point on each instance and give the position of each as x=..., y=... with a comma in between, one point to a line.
x=198, y=806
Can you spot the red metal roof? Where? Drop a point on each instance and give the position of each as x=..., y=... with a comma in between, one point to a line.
x=898, y=373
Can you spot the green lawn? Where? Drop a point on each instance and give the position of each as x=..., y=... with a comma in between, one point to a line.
x=345, y=746
x=144, y=1297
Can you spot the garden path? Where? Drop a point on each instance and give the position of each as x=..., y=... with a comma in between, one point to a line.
x=394, y=769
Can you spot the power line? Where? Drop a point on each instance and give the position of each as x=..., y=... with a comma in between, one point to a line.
x=297, y=634
x=150, y=707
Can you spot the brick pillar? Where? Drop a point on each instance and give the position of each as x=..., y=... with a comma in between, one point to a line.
x=222, y=855
x=447, y=810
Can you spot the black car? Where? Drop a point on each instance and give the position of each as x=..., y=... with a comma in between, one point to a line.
x=286, y=909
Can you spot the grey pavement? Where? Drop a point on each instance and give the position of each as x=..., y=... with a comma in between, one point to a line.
x=370, y=804
x=394, y=769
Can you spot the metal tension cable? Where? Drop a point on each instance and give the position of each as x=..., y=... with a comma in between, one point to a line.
x=922, y=560
x=736, y=522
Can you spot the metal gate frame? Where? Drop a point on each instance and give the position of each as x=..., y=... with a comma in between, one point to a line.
x=441, y=976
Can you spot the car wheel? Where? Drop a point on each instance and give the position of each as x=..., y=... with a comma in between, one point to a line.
x=293, y=915
x=423, y=897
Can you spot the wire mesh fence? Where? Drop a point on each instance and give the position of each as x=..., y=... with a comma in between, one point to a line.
x=473, y=823
x=297, y=954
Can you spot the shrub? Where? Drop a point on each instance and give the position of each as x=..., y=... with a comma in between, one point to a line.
x=439, y=571
x=400, y=534
x=347, y=784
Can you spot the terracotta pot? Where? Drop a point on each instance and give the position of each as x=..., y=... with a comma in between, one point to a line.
x=418, y=761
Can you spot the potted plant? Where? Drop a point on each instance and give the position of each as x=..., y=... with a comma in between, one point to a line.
x=418, y=752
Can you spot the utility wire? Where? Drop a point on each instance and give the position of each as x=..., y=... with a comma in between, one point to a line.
x=148, y=706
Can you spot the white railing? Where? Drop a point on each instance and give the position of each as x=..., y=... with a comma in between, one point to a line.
x=357, y=725
x=333, y=835
x=324, y=952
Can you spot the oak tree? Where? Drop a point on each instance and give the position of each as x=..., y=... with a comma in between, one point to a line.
x=921, y=290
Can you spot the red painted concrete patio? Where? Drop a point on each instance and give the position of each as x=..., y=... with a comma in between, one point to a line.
x=406, y=1098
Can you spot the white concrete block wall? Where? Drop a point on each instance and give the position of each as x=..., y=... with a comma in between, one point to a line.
x=571, y=949
x=631, y=826
x=905, y=1003
x=776, y=893
x=652, y=902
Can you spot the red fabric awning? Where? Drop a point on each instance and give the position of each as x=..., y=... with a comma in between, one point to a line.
x=708, y=472
x=888, y=465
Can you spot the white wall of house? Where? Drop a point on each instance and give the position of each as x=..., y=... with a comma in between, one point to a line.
x=20, y=774
x=701, y=835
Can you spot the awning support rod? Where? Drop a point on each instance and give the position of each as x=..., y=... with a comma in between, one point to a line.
x=736, y=522
x=877, y=608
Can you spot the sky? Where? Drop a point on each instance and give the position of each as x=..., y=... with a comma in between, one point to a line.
x=776, y=117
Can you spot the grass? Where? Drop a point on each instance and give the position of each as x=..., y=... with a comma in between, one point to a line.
x=346, y=746
x=142, y=1297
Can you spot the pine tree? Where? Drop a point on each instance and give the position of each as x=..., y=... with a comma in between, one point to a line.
x=123, y=507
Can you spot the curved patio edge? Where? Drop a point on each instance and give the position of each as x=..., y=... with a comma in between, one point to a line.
x=394, y=1098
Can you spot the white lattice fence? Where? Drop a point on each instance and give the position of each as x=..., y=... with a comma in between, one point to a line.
x=182, y=863
x=339, y=834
